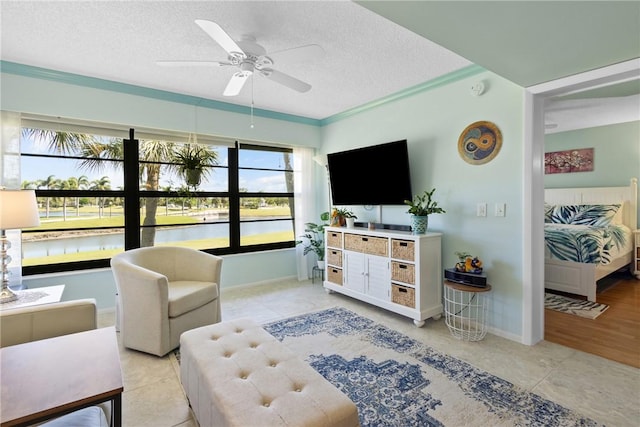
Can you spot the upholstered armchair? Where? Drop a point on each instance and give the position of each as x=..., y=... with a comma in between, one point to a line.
x=162, y=292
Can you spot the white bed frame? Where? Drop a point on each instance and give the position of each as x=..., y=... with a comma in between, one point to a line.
x=579, y=278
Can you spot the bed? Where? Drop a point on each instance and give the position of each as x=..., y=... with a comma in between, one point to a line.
x=588, y=216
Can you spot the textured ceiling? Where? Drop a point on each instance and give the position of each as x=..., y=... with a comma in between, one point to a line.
x=122, y=40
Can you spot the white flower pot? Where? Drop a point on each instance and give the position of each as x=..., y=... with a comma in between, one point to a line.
x=351, y=222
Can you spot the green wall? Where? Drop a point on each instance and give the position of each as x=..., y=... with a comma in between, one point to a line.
x=431, y=122
x=616, y=156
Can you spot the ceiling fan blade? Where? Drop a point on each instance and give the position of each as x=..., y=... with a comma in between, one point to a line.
x=236, y=83
x=220, y=36
x=286, y=80
x=188, y=63
x=298, y=54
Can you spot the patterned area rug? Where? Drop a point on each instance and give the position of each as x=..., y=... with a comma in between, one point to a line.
x=397, y=381
x=582, y=308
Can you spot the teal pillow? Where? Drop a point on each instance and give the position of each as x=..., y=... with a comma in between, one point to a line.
x=596, y=215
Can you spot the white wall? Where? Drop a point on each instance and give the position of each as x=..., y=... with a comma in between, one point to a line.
x=432, y=122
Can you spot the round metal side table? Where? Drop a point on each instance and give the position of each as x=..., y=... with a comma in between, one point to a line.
x=466, y=310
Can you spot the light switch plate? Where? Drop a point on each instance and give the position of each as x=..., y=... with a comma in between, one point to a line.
x=481, y=209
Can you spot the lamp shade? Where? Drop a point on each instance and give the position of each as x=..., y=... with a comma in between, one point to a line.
x=18, y=209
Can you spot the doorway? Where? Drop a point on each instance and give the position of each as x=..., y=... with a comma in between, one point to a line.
x=533, y=180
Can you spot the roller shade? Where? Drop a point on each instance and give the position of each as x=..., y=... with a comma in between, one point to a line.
x=118, y=130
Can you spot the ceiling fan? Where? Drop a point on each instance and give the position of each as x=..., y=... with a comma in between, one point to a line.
x=250, y=57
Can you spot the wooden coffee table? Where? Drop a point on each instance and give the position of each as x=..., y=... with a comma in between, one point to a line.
x=52, y=377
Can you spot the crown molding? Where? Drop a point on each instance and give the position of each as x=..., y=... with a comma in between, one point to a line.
x=129, y=89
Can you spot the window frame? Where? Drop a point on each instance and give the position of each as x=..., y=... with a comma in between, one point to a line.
x=132, y=194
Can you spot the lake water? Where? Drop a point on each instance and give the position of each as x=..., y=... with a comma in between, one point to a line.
x=62, y=246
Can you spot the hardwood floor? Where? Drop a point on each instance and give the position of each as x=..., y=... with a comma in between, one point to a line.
x=614, y=335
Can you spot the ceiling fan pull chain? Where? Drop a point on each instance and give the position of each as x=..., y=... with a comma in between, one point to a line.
x=251, y=101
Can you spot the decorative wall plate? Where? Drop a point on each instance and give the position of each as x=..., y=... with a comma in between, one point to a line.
x=479, y=143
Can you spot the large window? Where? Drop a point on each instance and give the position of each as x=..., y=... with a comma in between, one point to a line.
x=99, y=195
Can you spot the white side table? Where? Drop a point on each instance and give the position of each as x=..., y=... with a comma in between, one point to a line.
x=465, y=309
x=35, y=296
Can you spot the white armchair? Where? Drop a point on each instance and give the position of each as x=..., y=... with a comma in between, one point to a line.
x=164, y=291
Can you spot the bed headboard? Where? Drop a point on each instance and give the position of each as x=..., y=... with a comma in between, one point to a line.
x=628, y=196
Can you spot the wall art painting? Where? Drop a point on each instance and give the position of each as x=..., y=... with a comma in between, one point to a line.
x=567, y=161
x=479, y=143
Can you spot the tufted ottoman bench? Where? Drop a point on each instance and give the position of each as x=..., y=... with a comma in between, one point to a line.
x=236, y=374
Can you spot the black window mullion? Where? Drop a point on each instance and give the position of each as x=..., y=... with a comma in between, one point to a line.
x=234, y=198
x=131, y=192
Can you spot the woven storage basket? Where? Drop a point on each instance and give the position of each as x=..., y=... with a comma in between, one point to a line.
x=403, y=272
x=366, y=244
x=334, y=239
x=335, y=275
x=403, y=295
x=402, y=249
x=334, y=257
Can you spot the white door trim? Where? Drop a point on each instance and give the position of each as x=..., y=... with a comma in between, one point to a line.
x=533, y=182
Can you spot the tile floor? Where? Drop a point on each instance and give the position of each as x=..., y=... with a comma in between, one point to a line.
x=605, y=391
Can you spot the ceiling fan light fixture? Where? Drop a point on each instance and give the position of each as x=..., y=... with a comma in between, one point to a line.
x=246, y=68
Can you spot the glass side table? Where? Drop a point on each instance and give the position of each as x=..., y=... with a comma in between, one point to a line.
x=465, y=309
x=317, y=272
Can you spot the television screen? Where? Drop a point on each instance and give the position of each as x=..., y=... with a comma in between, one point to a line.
x=374, y=175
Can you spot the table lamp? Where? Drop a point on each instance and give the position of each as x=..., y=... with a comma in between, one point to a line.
x=18, y=209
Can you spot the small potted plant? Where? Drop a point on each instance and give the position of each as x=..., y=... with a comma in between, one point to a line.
x=194, y=160
x=420, y=208
x=339, y=217
x=312, y=239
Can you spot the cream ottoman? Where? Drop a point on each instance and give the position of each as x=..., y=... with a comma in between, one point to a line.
x=236, y=374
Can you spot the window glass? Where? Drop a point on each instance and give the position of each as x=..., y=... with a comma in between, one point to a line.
x=70, y=246
x=174, y=166
x=201, y=236
x=265, y=158
x=78, y=180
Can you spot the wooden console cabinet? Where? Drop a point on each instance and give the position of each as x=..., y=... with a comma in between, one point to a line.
x=394, y=270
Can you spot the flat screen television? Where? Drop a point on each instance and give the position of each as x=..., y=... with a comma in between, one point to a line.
x=373, y=175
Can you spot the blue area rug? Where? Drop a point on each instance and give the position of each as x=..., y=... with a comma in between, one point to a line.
x=398, y=381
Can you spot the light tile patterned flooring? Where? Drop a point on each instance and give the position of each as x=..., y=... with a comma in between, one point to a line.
x=605, y=391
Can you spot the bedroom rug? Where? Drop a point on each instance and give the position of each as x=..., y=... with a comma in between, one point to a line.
x=398, y=381
x=582, y=308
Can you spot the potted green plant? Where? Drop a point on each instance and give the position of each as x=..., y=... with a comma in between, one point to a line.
x=313, y=238
x=339, y=217
x=420, y=208
x=194, y=160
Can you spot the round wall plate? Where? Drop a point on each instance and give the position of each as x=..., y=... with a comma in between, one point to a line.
x=479, y=143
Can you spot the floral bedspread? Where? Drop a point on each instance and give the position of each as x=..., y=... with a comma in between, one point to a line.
x=586, y=243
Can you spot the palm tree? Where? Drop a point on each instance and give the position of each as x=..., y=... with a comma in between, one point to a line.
x=48, y=184
x=83, y=183
x=103, y=183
